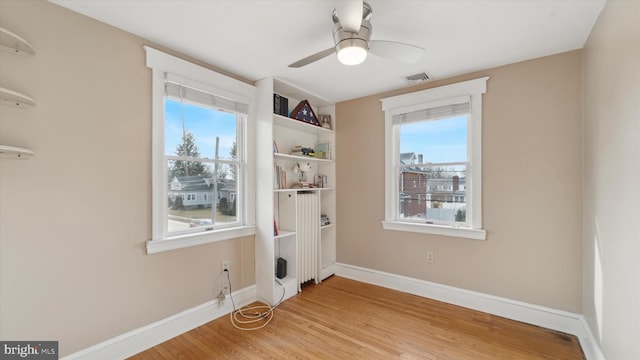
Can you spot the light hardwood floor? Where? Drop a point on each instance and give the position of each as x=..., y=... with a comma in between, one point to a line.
x=346, y=319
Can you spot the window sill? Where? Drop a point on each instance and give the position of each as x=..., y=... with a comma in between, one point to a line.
x=474, y=234
x=180, y=242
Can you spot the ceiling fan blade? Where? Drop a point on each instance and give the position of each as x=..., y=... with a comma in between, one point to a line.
x=315, y=57
x=396, y=51
x=350, y=14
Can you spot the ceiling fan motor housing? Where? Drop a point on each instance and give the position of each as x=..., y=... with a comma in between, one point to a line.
x=344, y=39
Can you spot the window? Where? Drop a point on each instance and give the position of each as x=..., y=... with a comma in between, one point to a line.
x=200, y=142
x=202, y=159
x=434, y=136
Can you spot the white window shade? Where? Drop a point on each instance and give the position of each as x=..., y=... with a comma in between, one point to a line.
x=183, y=93
x=434, y=111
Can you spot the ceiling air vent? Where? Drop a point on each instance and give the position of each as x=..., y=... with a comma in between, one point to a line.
x=417, y=78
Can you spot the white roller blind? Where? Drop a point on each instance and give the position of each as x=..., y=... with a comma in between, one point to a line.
x=184, y=93
x=452, y=107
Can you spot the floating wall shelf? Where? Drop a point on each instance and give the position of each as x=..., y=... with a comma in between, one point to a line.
x=14, y=43
x=13, y=152
x=14, y=98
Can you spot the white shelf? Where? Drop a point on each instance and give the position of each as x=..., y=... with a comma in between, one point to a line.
x=13, y=152
x=14, y=98
x=299, y=158
x=327, y=226
x=294, y=124
x=285, y=190
x=284, y=233
x=299, y=189
x=14, y=43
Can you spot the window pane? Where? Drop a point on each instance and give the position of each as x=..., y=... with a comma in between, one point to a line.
x=199, y=131
x=201, y=194
x=190, y=197
x=227, y=194
x=435, y=194
x=435, y=141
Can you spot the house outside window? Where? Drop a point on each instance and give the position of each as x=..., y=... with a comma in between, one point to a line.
x=433, y=138
x=200, y=145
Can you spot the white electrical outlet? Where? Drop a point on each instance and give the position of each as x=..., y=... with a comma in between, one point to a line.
x=430, y=257
x=225, y=266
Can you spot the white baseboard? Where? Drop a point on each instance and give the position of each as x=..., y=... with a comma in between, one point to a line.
x=140, y=339
x=588, y=342
x=328, y=271
x=559, y=320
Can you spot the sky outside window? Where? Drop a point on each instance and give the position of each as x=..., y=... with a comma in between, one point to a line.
x=437, y=140
x=204, y=123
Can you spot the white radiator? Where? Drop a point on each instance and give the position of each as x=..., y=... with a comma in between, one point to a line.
x=308, y=231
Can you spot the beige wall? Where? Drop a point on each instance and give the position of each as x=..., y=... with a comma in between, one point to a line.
x=532, y=166
x=612, y=176
x=75, y=218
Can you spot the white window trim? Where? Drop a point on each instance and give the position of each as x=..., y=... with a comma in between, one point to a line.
x=161, y=64
x=429, y=98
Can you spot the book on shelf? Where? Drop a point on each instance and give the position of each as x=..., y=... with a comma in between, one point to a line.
x=276, y=177
x=275, y=147
x=305, y=185
x=279, y=177
x=280, y=105
x=302, y=185
x=275, y=227
x=276, y=104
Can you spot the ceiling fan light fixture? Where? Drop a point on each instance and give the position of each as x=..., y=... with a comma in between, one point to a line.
x=353, y=54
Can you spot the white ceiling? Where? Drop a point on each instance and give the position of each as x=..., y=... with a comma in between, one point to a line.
x=259, y=38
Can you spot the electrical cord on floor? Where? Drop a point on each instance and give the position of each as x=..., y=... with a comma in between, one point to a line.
x=252, y=317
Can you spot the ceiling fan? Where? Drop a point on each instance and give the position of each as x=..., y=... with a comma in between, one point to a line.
x=351, y=35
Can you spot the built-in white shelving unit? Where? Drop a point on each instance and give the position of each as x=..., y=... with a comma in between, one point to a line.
x=281, y=206
x=14, y=44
